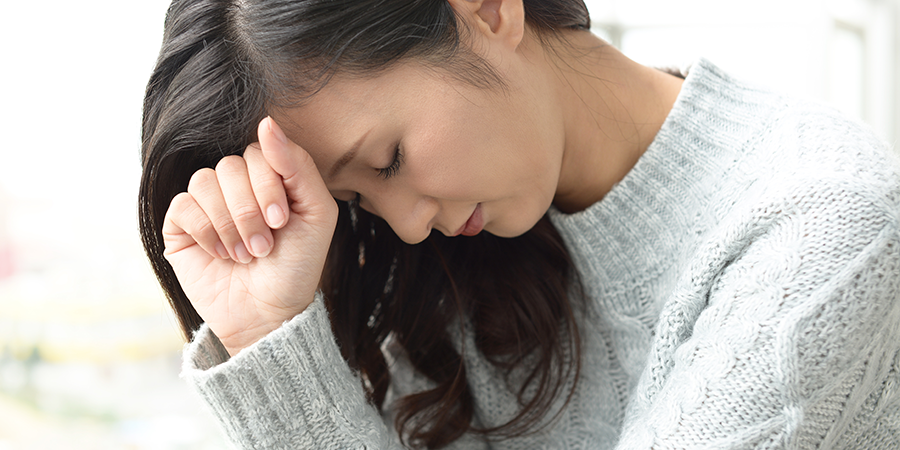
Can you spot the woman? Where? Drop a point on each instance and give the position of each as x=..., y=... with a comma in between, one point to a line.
x=473, y=224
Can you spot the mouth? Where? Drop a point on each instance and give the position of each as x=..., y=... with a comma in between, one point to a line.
x=472, y=226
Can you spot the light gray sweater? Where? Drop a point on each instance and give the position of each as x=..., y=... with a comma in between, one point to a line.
x=745, y=281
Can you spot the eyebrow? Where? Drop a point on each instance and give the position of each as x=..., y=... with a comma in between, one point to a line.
x=347, y=157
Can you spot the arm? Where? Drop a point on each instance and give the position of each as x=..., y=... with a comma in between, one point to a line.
x=785, y=335
x=291, y=389
x=252, y=276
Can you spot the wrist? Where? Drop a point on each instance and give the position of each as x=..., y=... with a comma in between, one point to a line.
x=258, y=329
x=242, y=339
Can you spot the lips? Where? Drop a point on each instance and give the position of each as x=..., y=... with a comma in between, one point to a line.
x=474, y=225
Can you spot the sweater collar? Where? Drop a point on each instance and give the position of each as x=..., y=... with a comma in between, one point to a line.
x=660, y=207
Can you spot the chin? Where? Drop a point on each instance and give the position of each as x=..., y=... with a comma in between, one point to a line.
x=512, y=230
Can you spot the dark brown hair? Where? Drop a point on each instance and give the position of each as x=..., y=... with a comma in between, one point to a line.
x=224, y=63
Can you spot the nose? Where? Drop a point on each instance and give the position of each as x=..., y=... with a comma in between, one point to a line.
x=410, y=216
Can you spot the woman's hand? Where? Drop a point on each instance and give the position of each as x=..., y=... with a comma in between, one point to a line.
x=248, y=240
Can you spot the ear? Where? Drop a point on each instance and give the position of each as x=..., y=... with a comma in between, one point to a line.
x=500, y=21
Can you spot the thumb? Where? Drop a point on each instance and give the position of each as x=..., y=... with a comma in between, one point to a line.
x=302, y=181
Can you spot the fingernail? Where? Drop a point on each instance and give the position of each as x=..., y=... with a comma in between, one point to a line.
x=259, y=245
x=276, y=131
x=275, y=216
x=220, y=249
x=242, y=254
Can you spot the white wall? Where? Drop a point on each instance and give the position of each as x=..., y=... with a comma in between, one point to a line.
x=841, y=52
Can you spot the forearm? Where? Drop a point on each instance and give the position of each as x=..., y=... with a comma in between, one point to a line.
x=291, y=389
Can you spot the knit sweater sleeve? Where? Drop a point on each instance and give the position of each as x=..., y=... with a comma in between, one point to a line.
x=785, y=333
x=290, y=390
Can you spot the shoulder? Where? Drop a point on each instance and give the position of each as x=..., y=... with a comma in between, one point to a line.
x=788, y=147
x=728, y=111
x=830, y=169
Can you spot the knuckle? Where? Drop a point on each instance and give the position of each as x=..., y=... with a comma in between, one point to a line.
x=225, y=227
x=265, y=183
x=230, y=163
x=256, y=162
x=203, y=228
x=245, y=213
x=253, y=149
x=331, y=208
x=201, y=179
x=306, y=160
x=180, y=203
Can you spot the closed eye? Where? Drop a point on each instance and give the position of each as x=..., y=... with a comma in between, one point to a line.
x=392, y=169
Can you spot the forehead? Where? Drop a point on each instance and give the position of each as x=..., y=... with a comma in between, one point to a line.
x=347, y=101
x=332, y=111
x=372, y=109
x=329, y=123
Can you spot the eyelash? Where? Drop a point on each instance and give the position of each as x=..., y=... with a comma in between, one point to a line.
x=391, y=170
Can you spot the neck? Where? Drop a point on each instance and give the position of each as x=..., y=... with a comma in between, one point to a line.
x=613, y=108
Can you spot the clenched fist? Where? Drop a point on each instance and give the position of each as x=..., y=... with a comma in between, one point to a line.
x=248, y=240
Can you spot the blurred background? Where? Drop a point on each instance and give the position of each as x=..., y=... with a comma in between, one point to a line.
x=89, y=352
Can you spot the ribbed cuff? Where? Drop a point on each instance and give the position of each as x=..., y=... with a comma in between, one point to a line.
x=291, y=389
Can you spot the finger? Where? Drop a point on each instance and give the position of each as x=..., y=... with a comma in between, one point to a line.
x=206, y=192
x=268, y=187
x=256, y=237
x=186, y=224
x=302, y=181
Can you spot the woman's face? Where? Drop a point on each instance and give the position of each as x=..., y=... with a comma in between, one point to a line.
x=424, y=151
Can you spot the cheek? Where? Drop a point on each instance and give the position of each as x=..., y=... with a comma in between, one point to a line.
x=446, y=159
x=466, y=152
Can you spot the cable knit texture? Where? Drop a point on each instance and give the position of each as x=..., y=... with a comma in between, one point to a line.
x=745, y=284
